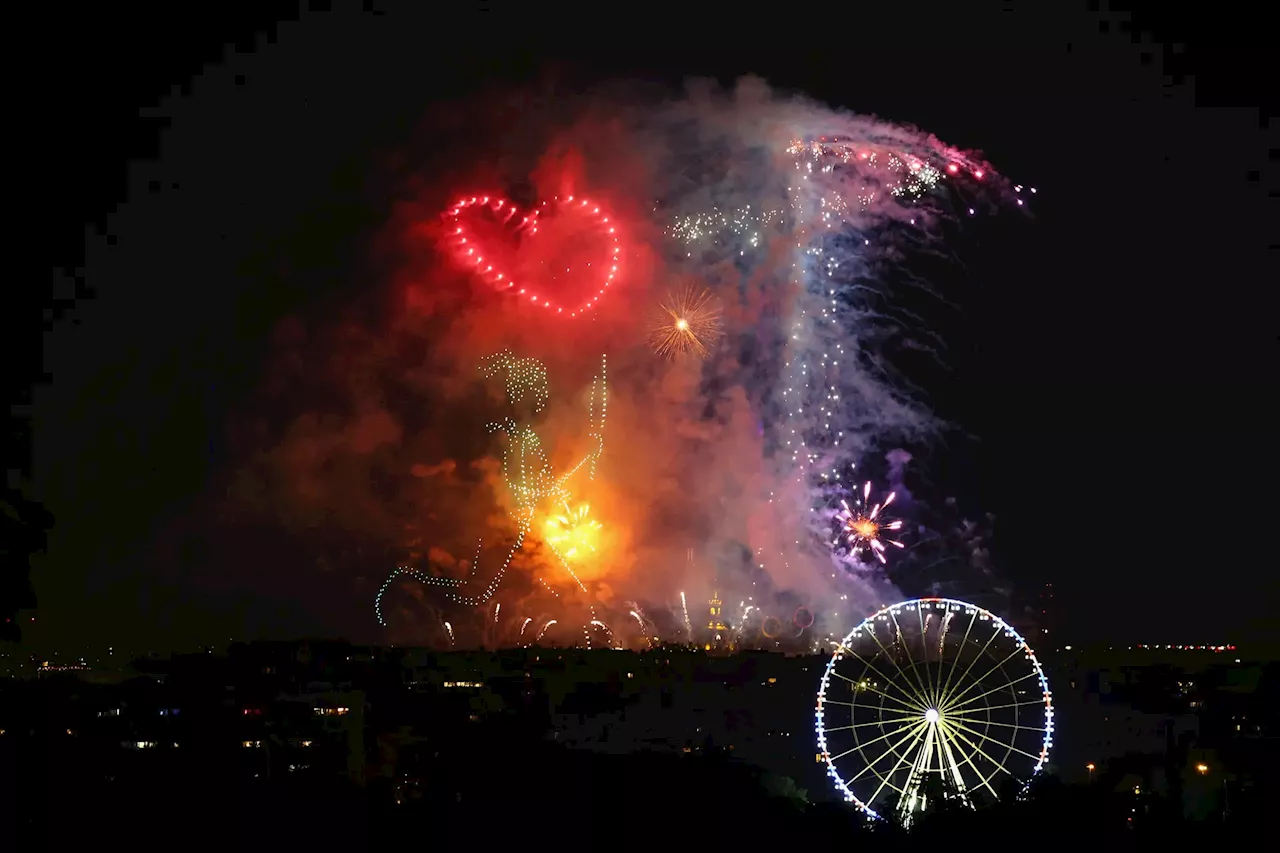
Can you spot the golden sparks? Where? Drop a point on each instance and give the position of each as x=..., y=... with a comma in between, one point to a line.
x=687, y=323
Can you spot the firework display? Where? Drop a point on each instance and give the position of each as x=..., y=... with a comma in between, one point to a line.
x=768, y=275
x=745, y=290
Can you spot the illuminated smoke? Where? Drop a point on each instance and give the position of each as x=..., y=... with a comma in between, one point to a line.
x=794, y=217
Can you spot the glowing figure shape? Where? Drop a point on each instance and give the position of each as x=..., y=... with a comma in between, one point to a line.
x=932, y=699
x=526, y=470
x=526, y=377
x=865, y=528
x=686, y=324
x=574, y=533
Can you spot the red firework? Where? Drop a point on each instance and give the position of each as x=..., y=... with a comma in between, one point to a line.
x=560, y=257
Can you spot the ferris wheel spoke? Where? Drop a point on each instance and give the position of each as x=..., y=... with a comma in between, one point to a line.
x=952, y=705
x=924, y=700
x=884, y=780
x=881, y=723
x=862, y=686
x=859, y=746
x=924, y=651
x=1002, y=744
x=980, y=654
x=978, y=682
x=959, y=735
x=914, y=731
x=955, y=712
x=887, y=680
x=904, y=687
x=948, y=736
x=1002, y=725
x=906, y=647
x=959, y=653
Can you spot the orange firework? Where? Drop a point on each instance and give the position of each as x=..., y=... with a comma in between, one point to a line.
x=574, y=533
x=864, y=527
x=686, y=324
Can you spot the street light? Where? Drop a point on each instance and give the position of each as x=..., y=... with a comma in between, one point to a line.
x=1202, y=768
x=1090, y=766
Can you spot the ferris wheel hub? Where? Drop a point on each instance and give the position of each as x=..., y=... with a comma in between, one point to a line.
x=932, y=716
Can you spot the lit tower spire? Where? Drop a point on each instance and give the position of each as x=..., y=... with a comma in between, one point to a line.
x=717, y=631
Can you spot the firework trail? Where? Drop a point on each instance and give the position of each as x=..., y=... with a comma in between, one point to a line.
x=525, y=624
x=543, y=630
x=742, y=620
x=448, y=627
x=684, y=607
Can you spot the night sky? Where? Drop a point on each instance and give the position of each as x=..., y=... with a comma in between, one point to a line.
x=1107, y=354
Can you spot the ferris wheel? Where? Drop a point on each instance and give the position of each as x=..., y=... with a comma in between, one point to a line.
x=932, y=698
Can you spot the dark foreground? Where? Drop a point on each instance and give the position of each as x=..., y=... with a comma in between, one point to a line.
x=498, y=787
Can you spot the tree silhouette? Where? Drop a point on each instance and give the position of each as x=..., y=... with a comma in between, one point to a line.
x=24, y=531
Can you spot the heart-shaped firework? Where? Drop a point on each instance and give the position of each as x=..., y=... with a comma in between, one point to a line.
x=560, y=257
